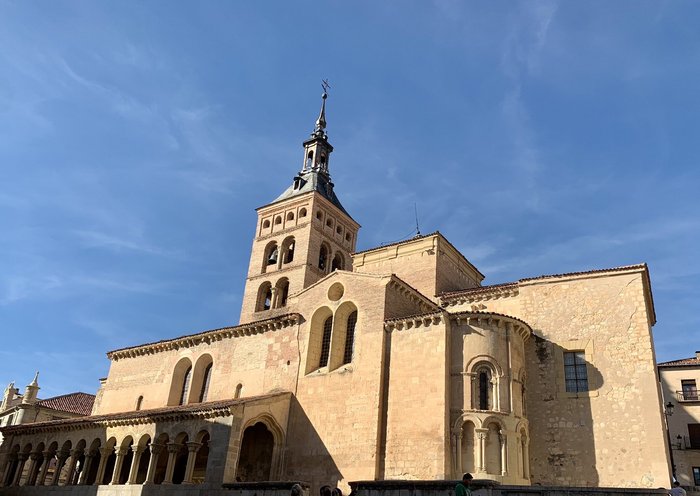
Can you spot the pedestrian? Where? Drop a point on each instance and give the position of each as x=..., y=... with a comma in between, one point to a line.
x=677, y=490
x=463, y=488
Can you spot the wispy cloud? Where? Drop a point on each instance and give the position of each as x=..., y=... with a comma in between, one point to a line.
x=97, y=239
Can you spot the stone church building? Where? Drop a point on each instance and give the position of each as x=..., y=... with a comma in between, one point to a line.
x=388, y=363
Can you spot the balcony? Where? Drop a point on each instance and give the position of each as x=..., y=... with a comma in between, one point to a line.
x=688, y=395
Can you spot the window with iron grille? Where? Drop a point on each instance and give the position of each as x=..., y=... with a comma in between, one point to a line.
x=205, y=384
x=350, y=337
x=326, y=342
x=575, y=373
x=186, y=386
x=690, y=390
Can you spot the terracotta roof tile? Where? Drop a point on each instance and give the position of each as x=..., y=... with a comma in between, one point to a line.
x=78, y=403
x=141, y=414
x=680, y=363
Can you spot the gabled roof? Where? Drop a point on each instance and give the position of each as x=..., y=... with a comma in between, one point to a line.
x=78, y=403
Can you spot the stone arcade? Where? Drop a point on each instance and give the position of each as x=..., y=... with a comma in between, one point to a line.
x=389, y=363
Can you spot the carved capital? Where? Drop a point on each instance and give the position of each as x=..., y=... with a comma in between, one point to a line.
x=174, y=447
x=156, y=448
x=193, y=447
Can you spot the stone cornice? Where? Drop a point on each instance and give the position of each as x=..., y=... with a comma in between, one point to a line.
x=257, y=327
x=498, y=320
x=412, y=293
x=480, y=294
x=414, y=321
x=211, y=409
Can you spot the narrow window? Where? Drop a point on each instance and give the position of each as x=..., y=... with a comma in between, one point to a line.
x=326, y=342
x=186, y=385
x=138, y=403
x=329, y=222
x=696, y=475
x=575, y=371
x=339, y=229
x=690, y=390
x=302, y=213
x=282, y=292
x=337, y=262
x=278, y=220
x=348, y=237
x=350, y=337
x=289, y=252
x=484, y=386
x=205, y=384
x=239, y=388
x=319, y=215
x=267, y=303
x=310, y=160
x=266, y=224
x=290, y=216
x=323, y=258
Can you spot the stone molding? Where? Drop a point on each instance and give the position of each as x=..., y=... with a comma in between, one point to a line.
x=498, y=320
x=209, y=410
x=257, y=327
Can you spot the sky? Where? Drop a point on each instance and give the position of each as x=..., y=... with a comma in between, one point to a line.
x=137, y=139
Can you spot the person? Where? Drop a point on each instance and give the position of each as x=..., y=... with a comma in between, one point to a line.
x=463, y=488
x=677, y=490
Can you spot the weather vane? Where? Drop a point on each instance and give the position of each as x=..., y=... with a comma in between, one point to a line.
x=325, y=85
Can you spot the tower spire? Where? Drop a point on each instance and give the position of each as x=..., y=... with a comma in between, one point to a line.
x=320, y=129
x=316, y=148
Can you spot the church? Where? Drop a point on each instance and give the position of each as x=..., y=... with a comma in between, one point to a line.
x=392, y=363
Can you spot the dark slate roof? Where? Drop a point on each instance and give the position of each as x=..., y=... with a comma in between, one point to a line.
x=313, y=181
x=683, y=362
x=78, y=403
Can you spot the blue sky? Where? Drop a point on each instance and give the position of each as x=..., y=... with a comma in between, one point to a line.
x=136, y=139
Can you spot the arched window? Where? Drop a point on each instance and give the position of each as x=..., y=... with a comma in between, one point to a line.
x=329, y=222
x=338, y=262
x=319, y=215
x=266, y=224
x=288, y=250
x=484, y=386
x=264, y=301
x=139, y=401
x=290, y=216
x=310, y=159
x=326, y=342
x=278, y=220
x=205, y=383
x=239, y=388
x=339, y=229
x=302, y=213
x=350, y=337
x=270, y=256
x=348, y=236
x=180, y=380
x=282, y=292
x=186, y=385
x=323, y=258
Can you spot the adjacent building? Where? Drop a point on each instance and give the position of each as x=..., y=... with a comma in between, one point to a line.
x=679, y=383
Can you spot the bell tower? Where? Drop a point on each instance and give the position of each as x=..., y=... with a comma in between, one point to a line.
x=301, y=236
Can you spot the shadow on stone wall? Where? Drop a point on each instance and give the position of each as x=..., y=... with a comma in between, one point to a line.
x=307, y=457
x=562, y=445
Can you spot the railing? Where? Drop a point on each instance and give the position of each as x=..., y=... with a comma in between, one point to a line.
x=687, y=395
